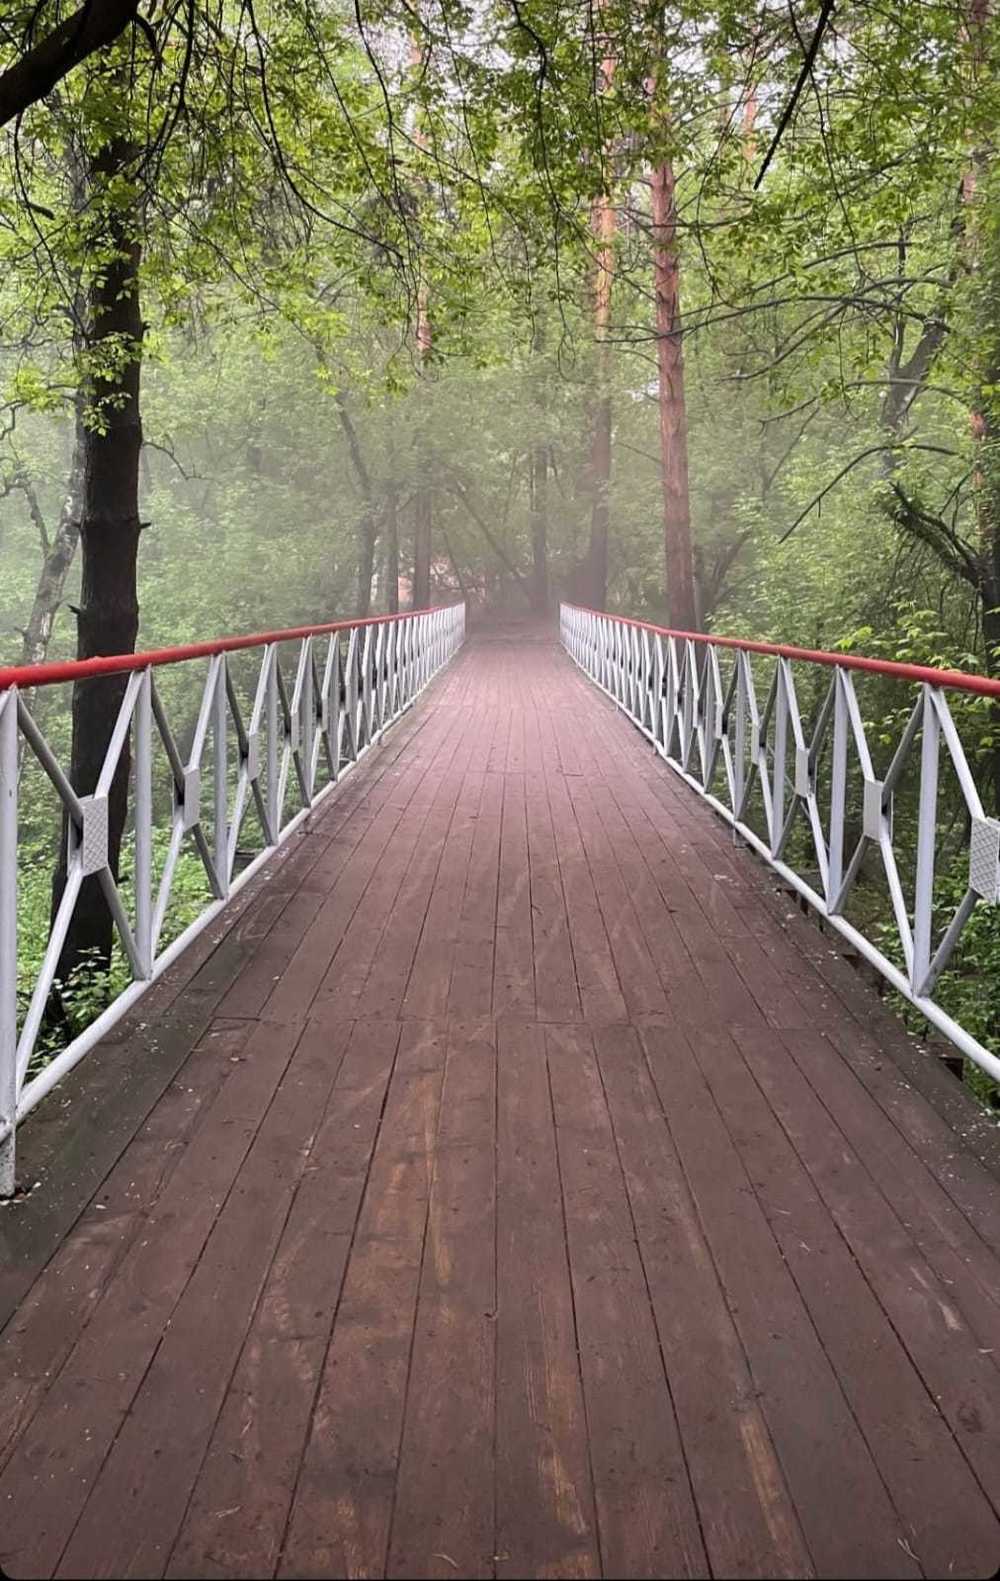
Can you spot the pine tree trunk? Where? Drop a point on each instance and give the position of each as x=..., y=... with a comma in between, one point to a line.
x=604, y=225
x=539, y=475
x=679, y=561
x=423, y=513
x=600, y=433
x=108, y=618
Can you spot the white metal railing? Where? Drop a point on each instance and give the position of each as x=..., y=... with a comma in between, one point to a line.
x=739, y=738
x=315, y=700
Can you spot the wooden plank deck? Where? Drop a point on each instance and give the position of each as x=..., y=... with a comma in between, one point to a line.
x=518, y=1186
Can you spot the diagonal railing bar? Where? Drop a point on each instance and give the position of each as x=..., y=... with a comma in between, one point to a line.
x=48, y=760
x=675, y=689
x=340, y=704
x=289, y=751
x=248, y=771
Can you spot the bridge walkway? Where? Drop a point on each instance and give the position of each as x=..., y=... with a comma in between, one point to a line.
x=516, y=1184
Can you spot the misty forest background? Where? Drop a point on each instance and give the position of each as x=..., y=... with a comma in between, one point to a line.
x=689, y=311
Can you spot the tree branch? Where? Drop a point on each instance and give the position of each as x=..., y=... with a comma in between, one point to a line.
x=96, y=25
x=789, y=109
x=872, y=450
x=461, y=493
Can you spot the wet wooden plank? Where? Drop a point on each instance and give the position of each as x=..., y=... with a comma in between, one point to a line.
x=443, y=1519
x=340, y=1518
x=513, y=957
x=648, y=1520
x=546, y=1523
x=390, y=890
x=846, y=1516
x=391, y=967
x=429, y=982
x=49, y=1478
x=965, y=1261
x=470, y=993
x=598, y=983
x=235, y=1522
x=925, y=1447
x=557, y=997
x=746, y=1513
x=152, y=1465
x=45, y=1326
x=637, y=973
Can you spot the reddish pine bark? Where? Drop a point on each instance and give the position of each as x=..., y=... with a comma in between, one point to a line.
x=678, y=557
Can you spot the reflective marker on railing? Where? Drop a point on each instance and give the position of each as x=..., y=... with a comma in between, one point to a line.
x=673, y=687
x=372, y=671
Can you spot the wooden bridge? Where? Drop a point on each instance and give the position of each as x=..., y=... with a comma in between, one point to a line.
x=515, y=1183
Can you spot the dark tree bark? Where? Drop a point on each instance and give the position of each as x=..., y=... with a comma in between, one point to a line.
x=678, y=556
x=93, y=27
x=108, y=618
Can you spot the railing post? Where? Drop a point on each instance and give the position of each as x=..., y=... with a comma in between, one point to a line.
x=143, y=735
x=307, y=714
x=368, y=726
x=779, y=759
x=838, y=791
x=220, y=829
x=271, y=707
x=8, y=938
x=923, y=908
x=740, y=734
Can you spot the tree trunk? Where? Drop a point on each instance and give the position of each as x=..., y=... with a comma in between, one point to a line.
x=422, y=513
x=392, y=549
x=423, y=502
x=58, y=556
x=366, y=564
x=540, y=527
x=983, y=267
x=367, y=522
x=604, y=226
x=600, y=433
x=679, y=560
x=538, y=478
x=108, y=618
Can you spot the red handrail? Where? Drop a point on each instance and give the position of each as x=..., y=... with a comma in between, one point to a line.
x=123, y=663
x=951, y=680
